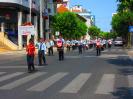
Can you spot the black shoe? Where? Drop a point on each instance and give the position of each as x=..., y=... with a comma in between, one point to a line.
x=45, y=64
x=30, y=71
x=34, y=70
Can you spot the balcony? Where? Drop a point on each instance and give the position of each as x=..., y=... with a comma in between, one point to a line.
x=24, y=3
x=12, y=1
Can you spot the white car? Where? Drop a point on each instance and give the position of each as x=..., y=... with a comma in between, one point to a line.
x=118, y=42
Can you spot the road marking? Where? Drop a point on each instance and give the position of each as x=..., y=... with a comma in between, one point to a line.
x=1, y=73
x=47, y=83
x=75, y=85
x=22, y=81
x=106, y=85
x=9, y=76
x=2, y=67
x=130, y=81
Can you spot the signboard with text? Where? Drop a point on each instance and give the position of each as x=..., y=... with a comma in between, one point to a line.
x=26, y=30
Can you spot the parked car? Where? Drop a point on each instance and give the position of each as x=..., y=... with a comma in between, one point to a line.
x=118, y=41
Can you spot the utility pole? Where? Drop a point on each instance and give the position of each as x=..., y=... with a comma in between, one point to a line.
x=41, y=19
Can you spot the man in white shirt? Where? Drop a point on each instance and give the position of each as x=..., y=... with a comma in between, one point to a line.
x=41, y=52
x=50, y=49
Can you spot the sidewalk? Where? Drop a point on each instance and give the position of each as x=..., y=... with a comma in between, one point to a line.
x=23, y=51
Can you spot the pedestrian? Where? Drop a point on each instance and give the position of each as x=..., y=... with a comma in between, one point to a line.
x=109, y=43
x=80, y=46
x=50, y=49
x=98, y=47
x=30, y=49
x=68, y=45
x=60, y=48
x=41, y=52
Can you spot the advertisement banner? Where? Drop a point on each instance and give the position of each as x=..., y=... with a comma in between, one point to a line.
x=26, y=30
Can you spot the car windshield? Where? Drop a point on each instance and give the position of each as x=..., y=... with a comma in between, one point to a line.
x=118, y=39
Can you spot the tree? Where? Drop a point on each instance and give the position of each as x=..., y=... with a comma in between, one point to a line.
x=69, y=25
x=125, y=5
x=94, y=31
x=123, y=19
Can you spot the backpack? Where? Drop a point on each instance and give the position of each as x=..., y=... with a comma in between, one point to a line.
x=59, y=43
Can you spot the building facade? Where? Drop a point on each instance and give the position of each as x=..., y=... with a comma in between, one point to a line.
x=15, y=13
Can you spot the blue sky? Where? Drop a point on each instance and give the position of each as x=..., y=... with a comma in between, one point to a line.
x=102, y=9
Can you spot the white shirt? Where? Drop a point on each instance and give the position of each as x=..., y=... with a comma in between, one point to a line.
x=51, y=43
x=41, y=46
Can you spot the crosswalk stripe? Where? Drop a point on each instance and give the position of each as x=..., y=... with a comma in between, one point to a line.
x=9, y=76
x=75, y=85
x=7, y=67
x=106, y=84
x=130, y=80
x=22, y=81
x=47, y=83
x=1, y=73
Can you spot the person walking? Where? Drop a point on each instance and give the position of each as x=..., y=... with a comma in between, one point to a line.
x=41, y=52
x=30, y=49
x=109, y=43
x=98, y=47
x=50, y=49
x=80, y=46
x=60, y=48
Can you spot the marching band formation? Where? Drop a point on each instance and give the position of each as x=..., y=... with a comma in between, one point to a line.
x=46, y=47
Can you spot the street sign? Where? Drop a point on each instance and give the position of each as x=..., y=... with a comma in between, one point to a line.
x=131, y=29
x=26, y=30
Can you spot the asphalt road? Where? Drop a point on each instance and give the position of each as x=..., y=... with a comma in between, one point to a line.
x=86, y=76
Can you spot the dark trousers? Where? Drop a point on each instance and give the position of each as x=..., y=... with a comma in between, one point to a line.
x=41, y=56
x=109, y=45
x=80, y=49
x=68, y=48
x=30, y=62
x=61, y=54
x=50, y=50
x=98, y=51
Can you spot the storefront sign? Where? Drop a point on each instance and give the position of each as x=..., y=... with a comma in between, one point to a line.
x=26, y=30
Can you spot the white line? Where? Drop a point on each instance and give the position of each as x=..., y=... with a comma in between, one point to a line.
x=47, y=83
x=9, y=76
x=22, y=81
x=76, y=83
x=1, y=73
x=2, y=67
x=106, y=85
x=130, y=80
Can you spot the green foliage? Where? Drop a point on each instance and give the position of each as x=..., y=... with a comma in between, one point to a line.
x=108, y=35
x=94, y=31
x=125, y=5
x=69, y=25
x=121, y=22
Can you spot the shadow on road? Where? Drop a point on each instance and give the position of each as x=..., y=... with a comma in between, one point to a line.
x=121, y=61
x=123, y=93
